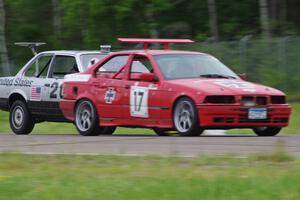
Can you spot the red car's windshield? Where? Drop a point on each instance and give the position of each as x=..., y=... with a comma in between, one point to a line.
x=182, y=66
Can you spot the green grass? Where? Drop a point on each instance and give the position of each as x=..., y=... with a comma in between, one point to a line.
x=68, y=128
x=114, y=178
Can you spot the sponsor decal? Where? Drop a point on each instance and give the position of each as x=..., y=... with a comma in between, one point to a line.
x=249, y=90
x=23, y=82
x=35, y=93
x=16, y=82
x=248, y=87
x=77, y=77
x=110, y=95
x=6, y=81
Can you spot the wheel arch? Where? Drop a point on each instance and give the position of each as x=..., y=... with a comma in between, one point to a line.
x=14, y=97
x=81, y=99
x=180, y=97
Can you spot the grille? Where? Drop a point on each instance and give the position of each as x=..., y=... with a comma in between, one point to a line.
x=244, y=119
x=220, y=99
x=252, y=100
x=261, y=100
x=223, y=119
x=248, y=101
x=280, y=120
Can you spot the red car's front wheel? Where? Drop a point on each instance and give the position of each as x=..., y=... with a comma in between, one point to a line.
x=267, y=131
x=185, y=118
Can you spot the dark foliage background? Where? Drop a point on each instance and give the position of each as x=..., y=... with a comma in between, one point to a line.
x=239, y=43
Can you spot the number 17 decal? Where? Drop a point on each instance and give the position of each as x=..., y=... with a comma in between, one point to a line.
x=139, y=101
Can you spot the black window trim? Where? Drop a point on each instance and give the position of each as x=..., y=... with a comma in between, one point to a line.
x=50, y=71
x=33, y=61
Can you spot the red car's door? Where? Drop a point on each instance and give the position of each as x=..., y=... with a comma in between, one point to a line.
x=108, y=87
x=141, y=98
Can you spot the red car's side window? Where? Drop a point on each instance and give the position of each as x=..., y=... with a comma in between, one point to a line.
x=140, y=64
x=108, y=69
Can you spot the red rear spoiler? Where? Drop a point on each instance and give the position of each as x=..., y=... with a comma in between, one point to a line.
x=146, y=41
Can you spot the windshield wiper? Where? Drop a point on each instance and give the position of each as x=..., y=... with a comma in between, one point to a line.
x=216, y=76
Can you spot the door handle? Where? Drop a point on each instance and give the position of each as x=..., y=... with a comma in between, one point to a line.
x=47, y=84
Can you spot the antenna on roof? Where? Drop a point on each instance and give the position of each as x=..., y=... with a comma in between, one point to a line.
x=31, y=45
x=146, y=41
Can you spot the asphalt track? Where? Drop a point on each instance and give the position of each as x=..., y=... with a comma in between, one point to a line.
x=240, y=145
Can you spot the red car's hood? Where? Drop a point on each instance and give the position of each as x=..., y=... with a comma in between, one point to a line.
x=224, y=87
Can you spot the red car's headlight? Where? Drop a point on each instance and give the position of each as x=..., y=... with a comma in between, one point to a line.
x=218, y=99
x=278, y=100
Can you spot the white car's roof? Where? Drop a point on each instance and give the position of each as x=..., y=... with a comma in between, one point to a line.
x=75, y=53
x=72, y=52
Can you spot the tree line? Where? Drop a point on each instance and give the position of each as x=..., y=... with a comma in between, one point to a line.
x=81, y=24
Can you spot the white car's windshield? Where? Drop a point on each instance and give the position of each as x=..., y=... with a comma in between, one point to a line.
x=88, y=60
x=181, y=66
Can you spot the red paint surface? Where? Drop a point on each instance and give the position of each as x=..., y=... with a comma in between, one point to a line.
x=163, y=94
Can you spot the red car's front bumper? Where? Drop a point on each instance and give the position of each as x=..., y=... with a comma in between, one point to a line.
x=236, y=116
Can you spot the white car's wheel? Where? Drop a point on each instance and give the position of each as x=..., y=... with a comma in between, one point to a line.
x=267, y=131
x=86, y=119
x=20, y=119
x=185, y=118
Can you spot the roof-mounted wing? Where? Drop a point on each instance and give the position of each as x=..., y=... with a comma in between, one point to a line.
x=31, y=45
x=147, y=41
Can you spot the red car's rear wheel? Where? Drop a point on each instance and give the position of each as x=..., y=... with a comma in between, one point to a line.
x=86, y=119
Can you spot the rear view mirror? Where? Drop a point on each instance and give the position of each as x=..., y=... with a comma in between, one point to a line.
x=148, y=77
x=243, y=76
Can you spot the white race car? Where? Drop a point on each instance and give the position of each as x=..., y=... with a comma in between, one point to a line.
x=33, y=95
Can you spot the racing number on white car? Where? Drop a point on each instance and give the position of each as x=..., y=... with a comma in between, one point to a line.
x=139, y=101
x=56, y=91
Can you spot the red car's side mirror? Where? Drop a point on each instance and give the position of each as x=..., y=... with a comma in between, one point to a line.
x=148, y=77
x=243, y=76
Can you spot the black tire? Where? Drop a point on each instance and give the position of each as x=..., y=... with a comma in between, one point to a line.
x=185, y=118
x=163, y=131
x=267, y=131
x=86, y=119
x=108, y=130
x=20, y=119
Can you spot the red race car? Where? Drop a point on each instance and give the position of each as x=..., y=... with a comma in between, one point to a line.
x=168, y=90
